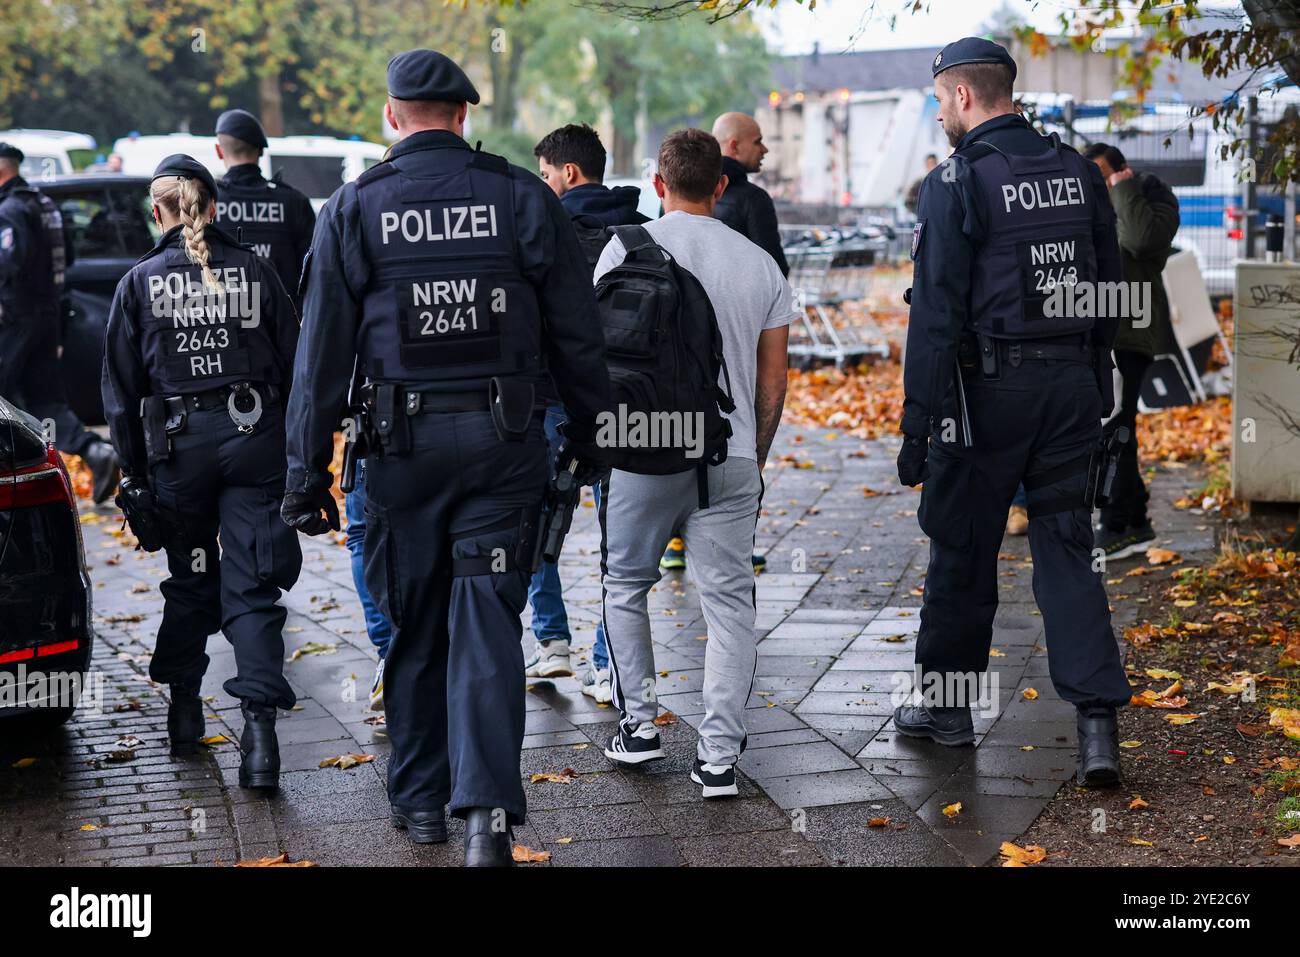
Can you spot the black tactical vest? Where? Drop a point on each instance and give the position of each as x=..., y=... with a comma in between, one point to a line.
x=257, y=213
x=1040, y=214
x=37, y=289
x=446, y=302
x=194, y=338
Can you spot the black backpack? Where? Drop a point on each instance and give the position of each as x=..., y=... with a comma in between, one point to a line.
x=593, y=236
x=665, y=358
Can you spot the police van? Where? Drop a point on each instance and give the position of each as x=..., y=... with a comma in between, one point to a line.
x=1209, y=186
x=316, y=165
x=47, y=153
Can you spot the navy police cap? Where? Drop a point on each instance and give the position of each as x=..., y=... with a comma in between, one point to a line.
x=242, y=125
x=973, y=50
x=178, y=164
x=428, y=75
x=11, y=152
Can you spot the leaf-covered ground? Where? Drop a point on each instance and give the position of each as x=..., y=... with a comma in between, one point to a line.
x=1212, y=741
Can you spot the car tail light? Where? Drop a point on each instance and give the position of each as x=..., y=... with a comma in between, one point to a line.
x=37, y=484
x=39, y=651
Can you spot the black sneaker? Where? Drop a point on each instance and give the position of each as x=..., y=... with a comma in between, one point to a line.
x=1125, y=544
x=634, y=746
x=952, y=727
x=716, y=780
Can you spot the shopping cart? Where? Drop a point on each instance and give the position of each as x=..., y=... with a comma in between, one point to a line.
x=832, y=275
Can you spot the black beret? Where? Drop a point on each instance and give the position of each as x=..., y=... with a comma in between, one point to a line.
x=242, y=125
x=11, y=152
x=428, y=75
x=178, y=164
x=973, y=50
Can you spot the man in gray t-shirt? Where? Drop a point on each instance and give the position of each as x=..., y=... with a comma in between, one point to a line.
x=752, y=302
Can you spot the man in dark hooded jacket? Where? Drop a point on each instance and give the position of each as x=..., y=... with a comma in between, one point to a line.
x=572, y=162
x=1147, y=219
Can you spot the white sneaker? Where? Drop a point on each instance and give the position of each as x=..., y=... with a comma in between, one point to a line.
x=595, y=684
x=550, y=660
x=377, y=688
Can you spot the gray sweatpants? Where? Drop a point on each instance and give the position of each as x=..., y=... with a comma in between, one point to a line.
x=638, y=514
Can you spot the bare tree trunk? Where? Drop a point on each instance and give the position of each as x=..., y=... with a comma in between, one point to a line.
x=623, y=101
x=272, y=104
x=504, y=65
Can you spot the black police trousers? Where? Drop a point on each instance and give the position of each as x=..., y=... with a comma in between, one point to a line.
x=1033, y=420
x=442, y=523
x=31, y=379
x=227, y=486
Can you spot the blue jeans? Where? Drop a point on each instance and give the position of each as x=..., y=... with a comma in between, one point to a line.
x=545, y=593
x=381, y=632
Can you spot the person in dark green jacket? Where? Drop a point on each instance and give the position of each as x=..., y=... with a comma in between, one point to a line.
x=1147, y=219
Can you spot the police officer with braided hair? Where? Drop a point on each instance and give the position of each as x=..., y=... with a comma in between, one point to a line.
x=456, y=283
x=267, y=214
x=197, y=366
x=1006, y=226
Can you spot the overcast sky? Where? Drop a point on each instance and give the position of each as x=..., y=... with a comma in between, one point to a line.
x=864, y=25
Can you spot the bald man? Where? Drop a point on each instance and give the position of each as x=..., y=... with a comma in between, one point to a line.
x=745, y=206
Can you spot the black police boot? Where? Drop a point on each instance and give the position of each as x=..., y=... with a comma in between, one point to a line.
x=425, y=827
x=1098, y=748
x=485, y=846
x=949, y=726
x=260, y=767
x=184, y=720
x=102, y=461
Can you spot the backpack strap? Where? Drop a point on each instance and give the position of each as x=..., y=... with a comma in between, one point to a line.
x=636, y=238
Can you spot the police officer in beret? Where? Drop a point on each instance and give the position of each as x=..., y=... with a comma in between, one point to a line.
x=270, y=215
x=458, y=282
x=198, y=361
x=1006, y=226
x=33, y=256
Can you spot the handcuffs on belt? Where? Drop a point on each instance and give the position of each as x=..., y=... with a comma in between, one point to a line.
x=244, y=420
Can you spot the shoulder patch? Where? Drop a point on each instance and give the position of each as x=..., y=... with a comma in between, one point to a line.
x=916, y=236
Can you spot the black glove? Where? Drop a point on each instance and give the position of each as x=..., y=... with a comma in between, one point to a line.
x=912, y=467
x=592, y=464
x=302, y=510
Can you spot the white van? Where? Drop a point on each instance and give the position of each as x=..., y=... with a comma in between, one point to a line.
x=46, y=152
x=317, y=165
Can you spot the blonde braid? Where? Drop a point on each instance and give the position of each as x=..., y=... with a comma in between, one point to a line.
x=192, y=205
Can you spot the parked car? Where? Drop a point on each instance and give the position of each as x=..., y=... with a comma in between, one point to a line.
x=109, y=227
x=45, y=611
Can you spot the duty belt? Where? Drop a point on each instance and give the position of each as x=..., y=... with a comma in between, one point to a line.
x=989, y=354
x=512, y=404
x=243, y=402
x=219, y=397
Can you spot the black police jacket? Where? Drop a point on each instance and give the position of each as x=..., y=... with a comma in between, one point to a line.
x=269, y=215
x=27, y=288
x=747, y=209
x=169, y=335
x=952, y=226
x=405, y=270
